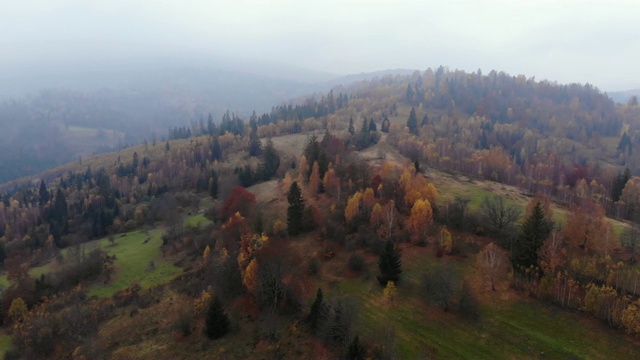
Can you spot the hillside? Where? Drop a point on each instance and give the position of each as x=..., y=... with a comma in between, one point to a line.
x=440, y=215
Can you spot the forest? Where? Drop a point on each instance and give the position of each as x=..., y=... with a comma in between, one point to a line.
x=440, y=214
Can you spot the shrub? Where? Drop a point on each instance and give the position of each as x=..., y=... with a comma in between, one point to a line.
x=356, y=262
x=313, y=267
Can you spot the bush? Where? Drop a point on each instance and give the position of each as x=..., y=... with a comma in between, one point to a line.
x=469, y=308
x=313, y=267
x=184, y=322
x=356, y=263
x=441, y=286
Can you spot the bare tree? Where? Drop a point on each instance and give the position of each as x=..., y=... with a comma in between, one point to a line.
x=491, y=259
x=498, y=213
x=631, y=240
x=441, y=286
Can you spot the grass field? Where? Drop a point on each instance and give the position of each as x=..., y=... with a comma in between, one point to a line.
x=5, y=343
x=510, y=327
x=196, y=221
x=135, y=251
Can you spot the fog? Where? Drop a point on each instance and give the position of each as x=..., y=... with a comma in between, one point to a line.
x=67, y=43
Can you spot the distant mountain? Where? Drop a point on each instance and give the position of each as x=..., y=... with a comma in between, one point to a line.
x=621, y=97
x=348, y=79
x=53, y=112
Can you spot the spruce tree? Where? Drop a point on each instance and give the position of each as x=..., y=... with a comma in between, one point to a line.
x=352, y=129
x=216, y=151
x=295, y=210
x=44, y=193
x=385, y=124
x=271, y=160
x=355, y=351
x=525, y=248
x=217, y=321
x=412, y=122
x=255, y=145
x=408, y=96
x=389, y=264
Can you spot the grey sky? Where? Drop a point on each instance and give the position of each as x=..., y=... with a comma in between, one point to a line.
x=559, y=40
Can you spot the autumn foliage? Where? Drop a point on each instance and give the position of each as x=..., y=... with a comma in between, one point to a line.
x=239, y=200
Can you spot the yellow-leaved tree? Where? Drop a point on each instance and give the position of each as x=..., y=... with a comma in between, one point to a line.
x=446, y=241
x=420, y=221
x=354, y=207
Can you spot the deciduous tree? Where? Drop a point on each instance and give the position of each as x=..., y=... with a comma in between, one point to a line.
x=239, y=200
x=585, y=224
x=314, y=180
x=498, y=213
x=631, y=240
x=491, y=259
x=420, y=220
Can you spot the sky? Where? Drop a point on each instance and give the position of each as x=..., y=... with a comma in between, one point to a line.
x=558, y=40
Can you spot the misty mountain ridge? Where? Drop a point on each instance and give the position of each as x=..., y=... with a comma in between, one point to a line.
x=622, y=97
x=56, y=112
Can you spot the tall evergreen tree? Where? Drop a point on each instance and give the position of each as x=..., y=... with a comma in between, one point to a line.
x=389, y=264
x=271, y=160
x=535, y=230
x=255, y=145
x=217, y=321
x=412, y=122
x=385, y=124
x=295, y=210
x=211, y=126
x=408, y=96
x=318, y=313
x=618, y=184
x=212, y=186
x=425, y=120
x=44, y=193
x=216, y=152
x=60, y=210
x=352, y=129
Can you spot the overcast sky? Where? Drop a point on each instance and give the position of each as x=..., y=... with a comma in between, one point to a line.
x=559, y=40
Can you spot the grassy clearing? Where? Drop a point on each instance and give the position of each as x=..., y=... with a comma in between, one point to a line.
x=196, y=221
x=135, y=252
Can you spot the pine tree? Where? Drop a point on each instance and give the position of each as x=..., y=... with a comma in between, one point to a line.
x=389, y=264
x=412, y=122
x=217, y=321
x=295, y=210
x=355, y=351
x=534, y=231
